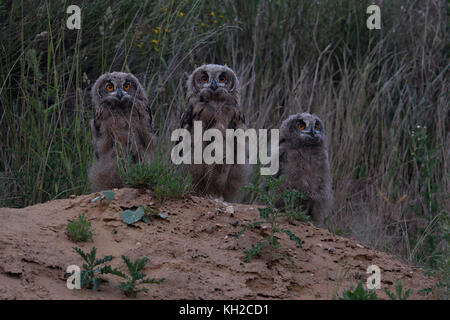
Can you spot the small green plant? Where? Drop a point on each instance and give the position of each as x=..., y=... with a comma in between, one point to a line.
x=136, y=277
x=172, y=184
x=291, y=208
x=91, y=268
x=358, y=293
x=79, y=230
x=271, y=215
x=138, y=175
x=164, y=180
x=400, y=295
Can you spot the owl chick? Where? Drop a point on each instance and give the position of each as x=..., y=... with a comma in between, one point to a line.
x=122, y=127
x=303, y=160
x=213, y=97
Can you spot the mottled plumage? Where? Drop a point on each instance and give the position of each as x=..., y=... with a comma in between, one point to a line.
x=122, y=126
x=213, y=97
x=304, y=161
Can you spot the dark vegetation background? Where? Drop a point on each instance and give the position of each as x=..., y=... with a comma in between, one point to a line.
x=383, y=94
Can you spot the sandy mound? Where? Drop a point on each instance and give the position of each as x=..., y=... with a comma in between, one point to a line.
x=194, y=249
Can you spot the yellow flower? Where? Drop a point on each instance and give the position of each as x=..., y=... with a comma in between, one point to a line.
x=202, y=24
x=154, y=41
x=139, y=45
x=212, y=14
x=166, y=30
x=221, y=16
x=156, y=30
x=215, y=21
x=181, y=14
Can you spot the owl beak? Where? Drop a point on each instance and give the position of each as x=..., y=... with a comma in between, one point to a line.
x=120, y=94
x=213, y=85
x=311, y=132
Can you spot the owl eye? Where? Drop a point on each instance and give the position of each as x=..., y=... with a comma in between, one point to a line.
x=301, y=126
x=126, y=86
x=109, y=87
x=317, y=127
x=204, y=78
x=222, y=78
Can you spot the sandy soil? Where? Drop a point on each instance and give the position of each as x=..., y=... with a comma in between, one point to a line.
x=194, y=249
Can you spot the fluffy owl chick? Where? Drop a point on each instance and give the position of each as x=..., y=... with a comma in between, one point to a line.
x=304, y=161
x=122, y=126
x=213, y=97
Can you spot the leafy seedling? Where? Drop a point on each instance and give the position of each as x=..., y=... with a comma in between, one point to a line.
x=146, y=214
x=400, y=295
x=292, y=210
x=130, y=216
x=136, y=277
x=358, y=293
x=92, y=268
x=79, y=230
x=271, y=215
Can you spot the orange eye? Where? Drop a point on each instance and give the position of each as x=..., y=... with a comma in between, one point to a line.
x=109, y=87
x=222, y=78
x=126, y=86
x=301, y=126
x=317, y=127
x=204, y=78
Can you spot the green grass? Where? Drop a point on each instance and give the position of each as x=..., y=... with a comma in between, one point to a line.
x=164, y=179
x=372, y=88
x=79, y=230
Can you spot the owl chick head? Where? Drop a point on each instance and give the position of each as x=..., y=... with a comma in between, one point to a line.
x=303, y=129
x=118, y=89
x=214, y=82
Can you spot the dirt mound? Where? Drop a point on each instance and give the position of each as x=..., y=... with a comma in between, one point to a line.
x=194, y=249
